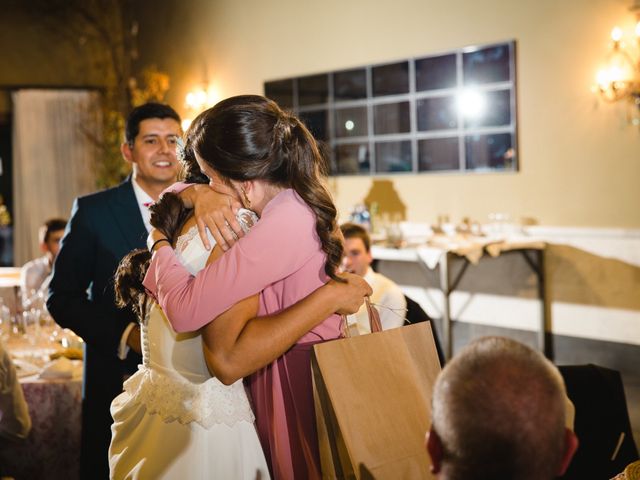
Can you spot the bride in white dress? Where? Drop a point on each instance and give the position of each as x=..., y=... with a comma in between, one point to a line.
x=173, y=419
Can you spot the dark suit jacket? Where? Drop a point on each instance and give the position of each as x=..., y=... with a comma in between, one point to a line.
x=104, y=227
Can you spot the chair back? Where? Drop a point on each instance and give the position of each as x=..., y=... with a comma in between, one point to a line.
x=601, y=422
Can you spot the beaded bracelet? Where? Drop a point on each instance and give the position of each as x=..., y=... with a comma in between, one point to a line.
x=157, y=242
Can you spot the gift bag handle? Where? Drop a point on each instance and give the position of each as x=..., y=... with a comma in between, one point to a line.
x=374, y=320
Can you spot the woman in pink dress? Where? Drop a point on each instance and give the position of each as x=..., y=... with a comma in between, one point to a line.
x=273, y=162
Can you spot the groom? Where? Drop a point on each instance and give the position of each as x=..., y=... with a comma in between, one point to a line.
x=104, y=227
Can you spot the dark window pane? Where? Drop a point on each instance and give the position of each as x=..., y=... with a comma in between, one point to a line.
x=486, y=65
x=438, y=154
x=351, y=122
x=438, y=113
x=391, y=118
x=280, y=92
x=393, y=156
x=490, y=152
x=313, y=89
x=495, y=109
x=350, y=84
x=352, y=159
x=390, y=79
x=436, y=72
x=316, y=122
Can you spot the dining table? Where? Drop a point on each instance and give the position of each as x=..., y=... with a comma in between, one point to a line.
x=52, y=386
x=441, y=251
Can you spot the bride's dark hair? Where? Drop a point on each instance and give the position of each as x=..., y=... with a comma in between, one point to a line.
x=249, y=137
x=167, y=215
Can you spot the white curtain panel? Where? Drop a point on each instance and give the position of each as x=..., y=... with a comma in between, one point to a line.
x=53, y=154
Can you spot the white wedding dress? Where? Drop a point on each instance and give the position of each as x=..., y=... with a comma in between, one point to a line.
x=173, y=419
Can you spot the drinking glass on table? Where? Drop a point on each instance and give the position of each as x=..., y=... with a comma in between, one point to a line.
x=31, y=325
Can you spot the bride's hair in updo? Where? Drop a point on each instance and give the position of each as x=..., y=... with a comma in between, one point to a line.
x=249, y=137
x=167, y=215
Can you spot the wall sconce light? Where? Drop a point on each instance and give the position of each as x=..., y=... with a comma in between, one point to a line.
x=197, y=100
x=620, y=78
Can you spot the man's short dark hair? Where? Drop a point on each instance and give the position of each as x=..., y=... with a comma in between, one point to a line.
x=496, y=403
x=353, y=230
x=50, y=226
x=144, y=112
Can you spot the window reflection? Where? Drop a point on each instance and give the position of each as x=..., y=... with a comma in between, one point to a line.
x=350, y=84
x=313, y=90
x=486, y=152
x=352, y=158
x=436, y=72
x=390, y=79
x=488, y=109
x=351, y=122
x=437, y=113
x=438, y=154
x=281, y=92
x=391, y=118
x=393, y=156
x=486, y=65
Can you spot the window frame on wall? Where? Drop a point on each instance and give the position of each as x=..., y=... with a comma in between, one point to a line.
x=409, y=117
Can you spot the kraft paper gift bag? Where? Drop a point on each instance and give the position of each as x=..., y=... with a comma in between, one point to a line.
x=373, y=403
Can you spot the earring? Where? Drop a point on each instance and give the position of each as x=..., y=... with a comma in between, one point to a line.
x=247, y=202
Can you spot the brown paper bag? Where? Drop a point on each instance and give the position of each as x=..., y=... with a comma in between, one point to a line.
x=373, y=403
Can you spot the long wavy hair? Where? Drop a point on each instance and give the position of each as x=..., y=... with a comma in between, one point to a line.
x=249, y=137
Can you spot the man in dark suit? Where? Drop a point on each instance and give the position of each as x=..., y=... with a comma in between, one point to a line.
x=104, y=227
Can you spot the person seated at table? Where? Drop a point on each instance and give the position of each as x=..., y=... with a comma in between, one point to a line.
x=500, y=410
x=387, y=296
x=36, y=274
x=15, y=422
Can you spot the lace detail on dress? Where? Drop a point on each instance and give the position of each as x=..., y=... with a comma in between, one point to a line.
x=176, y=399
x=184, y=239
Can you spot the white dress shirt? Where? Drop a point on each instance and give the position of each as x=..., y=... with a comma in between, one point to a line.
x=387, y=298
x=144, y=200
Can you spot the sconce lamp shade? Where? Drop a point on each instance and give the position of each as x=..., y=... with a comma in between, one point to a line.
x=619, y=79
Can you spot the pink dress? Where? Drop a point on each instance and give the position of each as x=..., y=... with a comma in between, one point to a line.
x=281, y=258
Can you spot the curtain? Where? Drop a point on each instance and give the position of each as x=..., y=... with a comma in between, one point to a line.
x=54, y=148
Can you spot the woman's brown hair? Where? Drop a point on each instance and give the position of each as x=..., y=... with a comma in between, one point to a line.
x=249, y=137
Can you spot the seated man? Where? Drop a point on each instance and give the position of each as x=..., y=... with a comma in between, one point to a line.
x=499, y=411
x=36, y=274
x=387, y=296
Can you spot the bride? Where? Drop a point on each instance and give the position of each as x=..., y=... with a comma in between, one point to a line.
x=174, y=419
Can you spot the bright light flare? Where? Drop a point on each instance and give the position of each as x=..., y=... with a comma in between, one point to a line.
x=472, y=104
x=616, y=34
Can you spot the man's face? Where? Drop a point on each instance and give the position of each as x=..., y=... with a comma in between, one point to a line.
x=153, y=153
x=52, y=245
x=356, y=258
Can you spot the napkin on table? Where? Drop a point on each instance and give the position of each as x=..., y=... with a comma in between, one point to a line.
x=59, y=368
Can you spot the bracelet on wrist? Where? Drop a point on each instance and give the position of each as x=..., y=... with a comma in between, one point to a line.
x=153, y=246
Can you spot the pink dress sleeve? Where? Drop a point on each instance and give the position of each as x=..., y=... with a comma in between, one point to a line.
x=177, y=187
x=278, y=245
